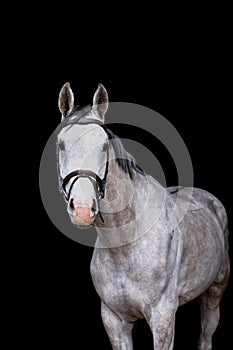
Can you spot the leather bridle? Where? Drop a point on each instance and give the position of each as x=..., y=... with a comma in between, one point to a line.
x=98, y=183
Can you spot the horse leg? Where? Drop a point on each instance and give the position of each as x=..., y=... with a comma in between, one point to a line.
x=162, y=324
x=119, y=331
x=209, y=307
x=209, y=321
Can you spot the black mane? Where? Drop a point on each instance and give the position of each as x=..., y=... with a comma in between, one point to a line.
x=125, y=161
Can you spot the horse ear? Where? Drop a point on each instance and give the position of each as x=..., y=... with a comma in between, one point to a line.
x=100, y=101
x=66, y=100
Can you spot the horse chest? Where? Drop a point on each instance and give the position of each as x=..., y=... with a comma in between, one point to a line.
x=120, y=293
x=126, y=286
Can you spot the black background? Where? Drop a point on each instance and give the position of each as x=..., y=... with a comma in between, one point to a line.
x=182, y=73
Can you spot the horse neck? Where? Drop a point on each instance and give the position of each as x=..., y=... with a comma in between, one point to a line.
x=128, y=207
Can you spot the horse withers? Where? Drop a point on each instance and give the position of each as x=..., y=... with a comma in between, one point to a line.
x=157, y=248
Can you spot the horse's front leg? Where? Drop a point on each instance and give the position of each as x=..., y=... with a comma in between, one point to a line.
x=118, y=330
x=162, y=323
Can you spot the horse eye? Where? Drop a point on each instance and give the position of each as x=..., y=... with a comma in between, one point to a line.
x=105, y=146
x=62, y=145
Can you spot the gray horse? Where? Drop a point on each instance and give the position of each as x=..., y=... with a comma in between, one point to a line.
x=157, y=248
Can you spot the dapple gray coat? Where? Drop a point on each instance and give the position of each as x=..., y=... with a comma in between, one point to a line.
x=157, y=248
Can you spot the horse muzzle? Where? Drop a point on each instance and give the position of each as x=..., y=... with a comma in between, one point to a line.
x=82, y=216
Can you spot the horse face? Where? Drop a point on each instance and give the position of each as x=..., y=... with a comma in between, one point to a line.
x=82, y=147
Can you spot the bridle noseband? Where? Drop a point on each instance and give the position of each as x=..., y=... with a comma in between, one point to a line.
x=93, y=177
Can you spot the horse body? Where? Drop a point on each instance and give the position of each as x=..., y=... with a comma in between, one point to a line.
x=150, y=277
x=156, y=249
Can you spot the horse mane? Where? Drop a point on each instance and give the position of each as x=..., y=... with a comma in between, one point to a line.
x=125, y=160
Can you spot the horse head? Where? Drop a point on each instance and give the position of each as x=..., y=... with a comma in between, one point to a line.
x=82, y=150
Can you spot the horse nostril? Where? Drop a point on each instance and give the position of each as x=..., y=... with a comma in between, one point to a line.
x=71, y=204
